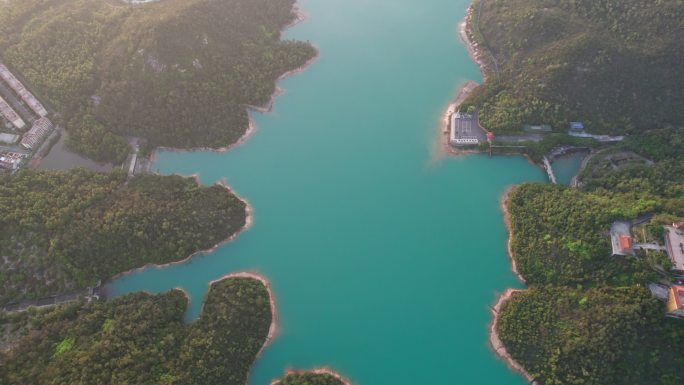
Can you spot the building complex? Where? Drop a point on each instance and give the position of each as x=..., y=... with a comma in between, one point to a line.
x=39, y=131
x=463, y=130
x=21, y=109
x=23, y=93
x=11, y=115
x=674, y=243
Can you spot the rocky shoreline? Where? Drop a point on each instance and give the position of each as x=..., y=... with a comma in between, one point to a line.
x=327, y=371
x=461, y=96
x=466, y=34
x=249, y=221
x=509, y=244
x=273, y=328
x=266, y=108
x=497, y=345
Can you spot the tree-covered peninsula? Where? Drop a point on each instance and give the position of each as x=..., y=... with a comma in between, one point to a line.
x=596, y=336
x=142, y=339
x=66, y=230
x=309, y=378
x=587, y=317
x=179, y=73
x=613, y=64
x=139, y=339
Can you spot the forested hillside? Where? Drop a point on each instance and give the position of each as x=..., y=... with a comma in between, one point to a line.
x=177, y=72
x=559, y=235
x=139, y=339
x=66, y=230
x=587, y=317
x=567, y=336
x=613, y=64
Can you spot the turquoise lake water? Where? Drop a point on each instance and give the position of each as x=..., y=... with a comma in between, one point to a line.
x=566, y=167
x=384, y=257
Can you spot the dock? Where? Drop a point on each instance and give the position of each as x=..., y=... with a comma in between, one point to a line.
x=549, y=170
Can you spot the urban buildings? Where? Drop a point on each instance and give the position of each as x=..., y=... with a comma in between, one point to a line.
x=35, y=136
x=11, y=115
x=23, y=93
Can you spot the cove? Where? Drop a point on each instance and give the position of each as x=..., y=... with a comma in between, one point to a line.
x=567, y=166
x=383, y=256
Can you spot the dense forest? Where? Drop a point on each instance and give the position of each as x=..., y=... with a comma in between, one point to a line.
x=559, y=235
x=139, y=339
x=587, y=317
x=178, y=73
x=613, y=64
x=66, y=230
x=566, y=336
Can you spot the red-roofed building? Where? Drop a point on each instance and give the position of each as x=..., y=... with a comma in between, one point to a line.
x=625, y=243
x=675, y=302
x=621, y=238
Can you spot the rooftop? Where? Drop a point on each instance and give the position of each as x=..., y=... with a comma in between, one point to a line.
x=621, y=238
x=677, y=298
x=576, y=126
x=8, y=138
x=674, y=242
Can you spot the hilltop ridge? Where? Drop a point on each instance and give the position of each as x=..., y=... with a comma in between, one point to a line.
x=613, y=64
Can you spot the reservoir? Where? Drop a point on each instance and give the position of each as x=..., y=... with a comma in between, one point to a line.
x=384, y=256
x=566, y=167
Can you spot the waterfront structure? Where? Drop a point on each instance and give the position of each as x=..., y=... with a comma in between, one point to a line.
x=675, y=302
x=40, y=130
x=11, y=115
x=462, y=130
x=621, y=238
x=23, y=93
x=674, y=243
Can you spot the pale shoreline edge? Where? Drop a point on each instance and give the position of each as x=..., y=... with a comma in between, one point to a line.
x=273, y=328
x=266, y=108
x=495, y=342
x=249, y=221
x=507, y=221
x=463, y=93
x=251, y=129
x=464, y=33
x=465, y=90
x=327, y=371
